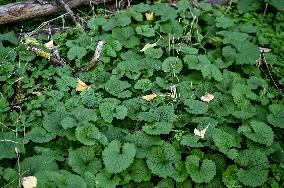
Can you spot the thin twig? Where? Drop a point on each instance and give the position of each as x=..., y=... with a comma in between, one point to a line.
x=44, y=24
x=70, y=12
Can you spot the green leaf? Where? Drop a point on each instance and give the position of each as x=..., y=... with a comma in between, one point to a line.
x=166, y=12
x=226, y=142
x=51, y=123
x=278, y=4
x=120, y=112
x=10, y=36
x=246, y=111
x=162, y=113
x=143, y=84
x=234, y=38
x=38, y=163
x=230, y=177
x=276, y=118
x=172, y=65
x=123, y=33
x=241, y=93
x=224, y=22
x=180, y=174
x=96, y=22
x=84, y=114
x=39, y=135
x=107, y=110
x=211, y=71
x=258, y=132
x=200, y=171
x=186, y=49
x=248, y=5
x=104, y=179
x=229, y=53
x=160, y=159
x=195, y=106
x=68, y=122
x=139, y=171
x=8, y=143
x=117, y=87
x=84, y=160
x=76, y=52
x=121, y=18
x=248, y=53
x=158, y=128
x=155, y=53
x=89, y=134
x=191, y=140
x=118, y=157
x=255, y=167
x=50, y=178
x=145, y=30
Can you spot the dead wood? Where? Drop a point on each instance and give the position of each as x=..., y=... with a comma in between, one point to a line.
x=28, y=9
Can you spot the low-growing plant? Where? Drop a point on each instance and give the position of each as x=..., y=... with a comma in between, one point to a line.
x=181, y=97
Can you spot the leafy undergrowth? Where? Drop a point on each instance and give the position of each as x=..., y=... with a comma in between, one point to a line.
x=176, y=100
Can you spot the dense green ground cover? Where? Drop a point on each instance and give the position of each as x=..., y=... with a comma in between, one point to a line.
x=176, y=100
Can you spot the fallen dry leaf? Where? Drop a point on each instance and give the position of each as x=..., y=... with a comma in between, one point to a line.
x=207, y=97
x=149, y=97
x=147, y=46
x=200, y=133
x=49, y=45
x=264, y=50
x=37, y=93
x=81, y=86
x=29, y=182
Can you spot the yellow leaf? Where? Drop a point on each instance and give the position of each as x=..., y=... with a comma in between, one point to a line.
x=207, y=97
x=149, y=97
x=43, y=54
x=29, y=182
x=31, y=41
x=49, y=45
x=149, y=16
x=81, y=86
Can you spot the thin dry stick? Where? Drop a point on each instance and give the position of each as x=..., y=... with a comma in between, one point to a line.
x=70, y=12
x=44, y=24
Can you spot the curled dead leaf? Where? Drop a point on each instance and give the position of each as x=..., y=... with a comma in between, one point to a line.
x=264, y=50
x=148, y=45
x=49, y=45
x=37, y=93
x=200, y=133
x=207, y=97
x=29, y=182
x=149, y=97
x=81, y=86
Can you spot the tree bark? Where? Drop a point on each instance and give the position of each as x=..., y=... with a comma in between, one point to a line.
x=28, y=9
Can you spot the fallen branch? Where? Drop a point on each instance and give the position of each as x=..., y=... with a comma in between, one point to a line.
x=28, y=9
x=95, y=58
x=46, y=55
